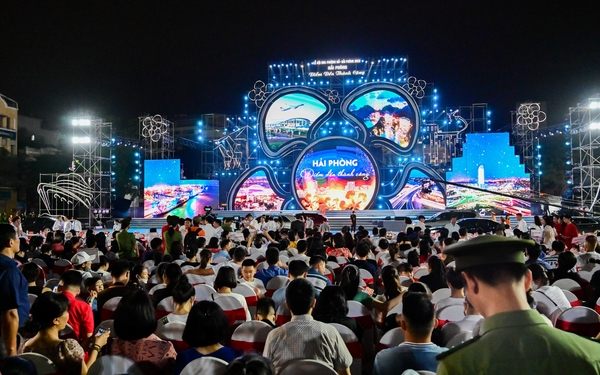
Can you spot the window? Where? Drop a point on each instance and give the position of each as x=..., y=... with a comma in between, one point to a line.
x=4, y=142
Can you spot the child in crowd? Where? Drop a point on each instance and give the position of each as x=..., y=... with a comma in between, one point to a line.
x=265, y=311
x=94, y=286
x=248, y=271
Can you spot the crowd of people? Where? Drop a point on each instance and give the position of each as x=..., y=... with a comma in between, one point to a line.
x=493, y=280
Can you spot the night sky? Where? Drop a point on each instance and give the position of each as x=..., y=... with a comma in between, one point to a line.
x=121, y=59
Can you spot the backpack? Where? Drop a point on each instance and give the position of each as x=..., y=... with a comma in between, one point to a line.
x=190, y=237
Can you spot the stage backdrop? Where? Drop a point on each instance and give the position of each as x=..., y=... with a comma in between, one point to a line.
x=488, y=165
x=165, y=193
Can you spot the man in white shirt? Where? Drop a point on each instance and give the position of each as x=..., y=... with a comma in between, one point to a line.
x=309, y=223
x=209, y=231
x=471, y=319
x=16, y=223
x=420, y=223
x=303, y=337
x=452, y=226
x=59, y=224
x=583, y=260
x=324, y=227
x=457, y=291
x=521, y=224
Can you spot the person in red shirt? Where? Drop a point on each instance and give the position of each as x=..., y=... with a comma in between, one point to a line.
x=558, y=225
x=81, y=317
x=569, y=231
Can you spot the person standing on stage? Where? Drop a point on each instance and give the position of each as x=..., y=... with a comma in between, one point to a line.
x=353, y=222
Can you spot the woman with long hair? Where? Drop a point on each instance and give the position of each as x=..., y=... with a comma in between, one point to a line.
x=548, y=232
x=436, y=279
x=171, y=277
x=135, y=324
x=332, y=307
x=205, y=268
x=184, y=296
x=424, y=250
x=49, y=316
x=391, y=282
x=350, y=283
x=338, y=247
x=225, y=282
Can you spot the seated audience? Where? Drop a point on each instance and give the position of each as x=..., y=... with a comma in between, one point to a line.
x=338, y=247
x=332, y=307
x=139, y=277
x=303, y=337
x=225, y=282
x=205, y=268
x=31, y=271
x=297, y=269
x=265, y=311
x=82, y=262
x=541, y=284
x=391, y=282
x=583, y=260
x=81, y=317
x=171, y=277
x=275, y=267
x=49, y=316
x=457, y=291
x=317, y=271
x=565, y=269
x=467, y=324
x=46, y=251
x=436, y=279
x=118, y=288
x=362, y=253
x=250, y=364
x=350, y=280
x=533, y=256
x=94, y=286
x=557, y=247
x=206, y=328
x=101, y=268
x=406, y=269
x=184, y=297
x=248, y=271
x=135, y=324
x=417, y=352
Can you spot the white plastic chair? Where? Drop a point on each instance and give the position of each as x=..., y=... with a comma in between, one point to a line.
x=251, y=336
x=43, y=365
x=282, y=315
x=284, y=259
x=366, y=276
x=567, y=284
x=165, y=307
x=32, y=298
x=205, y=365
x=405, y=281
x=173, y=332
x=440, y=294
x=250, y=296
x=179, y=262
x=204, y=292
x=392, y=338
x=219, y=260
x=580, y=320
x=234, y=310
x=545, y=306
x=586, y=275
x=109, y=307
x=317, y=283
x=420, y=273
x=573, y=300
x=114, y=364
x=276, y=283
x=155, y=288
x=341, y=260
x=395, y=310
x=452, y=313
x=307, y=366
x=108, y=325
x=353, y=345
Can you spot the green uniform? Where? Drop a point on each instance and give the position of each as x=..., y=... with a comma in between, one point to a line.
x=127, y=245
x=520, y=342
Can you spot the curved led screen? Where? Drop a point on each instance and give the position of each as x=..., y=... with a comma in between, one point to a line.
x=290, y=117
x=256, y=194
x=341, y=177
x=419, y=193
x=386, y=114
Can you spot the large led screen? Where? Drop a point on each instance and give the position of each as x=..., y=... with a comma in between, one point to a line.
x=256, y=194
x=165, y=193
x=419, y=193
x=290, y=116
x=386, y=114
x=339, y=177
x=488, y=165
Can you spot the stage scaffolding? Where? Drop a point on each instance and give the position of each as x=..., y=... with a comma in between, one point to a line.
x=585, y=152
x=157, y=137
x=86, y=189
x=525, y=123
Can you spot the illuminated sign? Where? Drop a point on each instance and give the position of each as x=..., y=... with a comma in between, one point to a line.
x=338, y=175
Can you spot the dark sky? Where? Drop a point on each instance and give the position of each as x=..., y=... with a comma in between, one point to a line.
x=127, y=58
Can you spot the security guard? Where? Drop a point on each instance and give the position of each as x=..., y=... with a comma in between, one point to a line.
x=513, y=339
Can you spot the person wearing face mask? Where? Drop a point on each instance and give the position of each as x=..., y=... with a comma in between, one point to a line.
x=139, y=277
x=541, y=286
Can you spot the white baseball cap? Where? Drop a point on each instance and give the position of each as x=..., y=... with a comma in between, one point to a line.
x=82, y=257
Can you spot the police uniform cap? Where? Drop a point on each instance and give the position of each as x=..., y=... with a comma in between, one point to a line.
x=488, y=250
